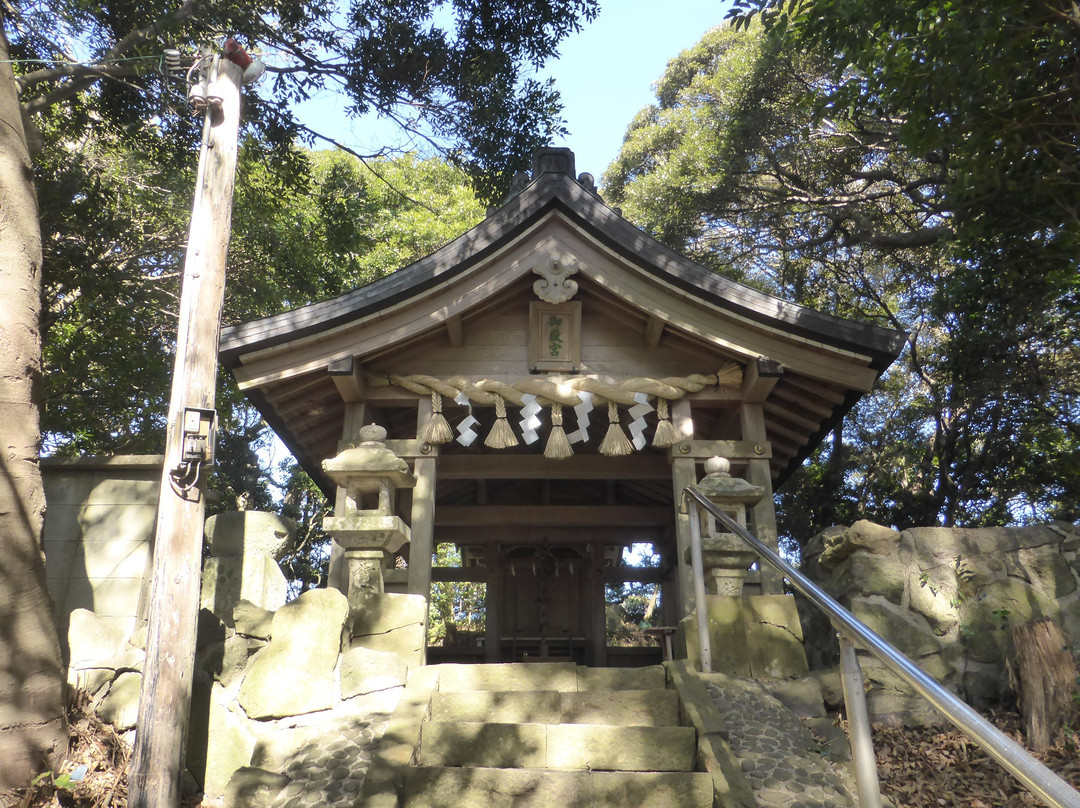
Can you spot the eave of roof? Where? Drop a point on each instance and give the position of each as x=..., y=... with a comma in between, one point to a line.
x=560, y=191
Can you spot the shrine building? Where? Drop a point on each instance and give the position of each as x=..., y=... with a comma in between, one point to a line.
x=548, y=383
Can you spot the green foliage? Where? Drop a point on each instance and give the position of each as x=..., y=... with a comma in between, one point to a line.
x=783, y=160
x=456, y=610
x=115, y=224
x=453, y=72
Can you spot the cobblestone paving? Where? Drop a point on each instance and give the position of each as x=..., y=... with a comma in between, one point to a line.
x=778, y=755
x=330, y=769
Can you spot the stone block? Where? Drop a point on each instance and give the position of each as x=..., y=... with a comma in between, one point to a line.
x=495, y=788
x=987, y=619
x=504, y=746
x=604, y=748
x=752, y=636
x=364, y=670
x=384, y=612
x=651, y=789
x=651, y=677
x=499, y=706
x=220, y=741
x=108, y=490
x=250, y=787
x=910, y=633
x=294, y=674
x=933, y=593
x=801, y=696
x=408, y=642
x=642, y=708
x=560, y=676
x=1046, y=569
x=92, y=641
x=117, y=597
x=120, y=706
x=108, y=522
x=249, y=533
x=227, y=581
x=251, y=620
x=863, y=535
x=864, y=573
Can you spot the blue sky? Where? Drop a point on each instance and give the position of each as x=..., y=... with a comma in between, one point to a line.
x=604, y=73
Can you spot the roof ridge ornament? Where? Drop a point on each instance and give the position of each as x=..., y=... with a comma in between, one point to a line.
x=555, y=285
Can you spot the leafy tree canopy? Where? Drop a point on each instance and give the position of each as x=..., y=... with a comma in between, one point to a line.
x=454, y=71
x=749, y=163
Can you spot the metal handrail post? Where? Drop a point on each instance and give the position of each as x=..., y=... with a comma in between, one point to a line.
x=701, y=607
x=1011, y=755
x=862, y=743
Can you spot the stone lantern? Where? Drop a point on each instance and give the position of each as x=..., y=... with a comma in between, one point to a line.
x=724, y=555
x=368, y=530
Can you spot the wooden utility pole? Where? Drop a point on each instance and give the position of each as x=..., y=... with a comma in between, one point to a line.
x=164, y=703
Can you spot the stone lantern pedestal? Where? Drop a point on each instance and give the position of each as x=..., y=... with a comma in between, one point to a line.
x=724, y=555
x=369, y=531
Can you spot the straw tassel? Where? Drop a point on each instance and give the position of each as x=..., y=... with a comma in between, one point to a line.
x=502, y=434
x=615, y=443
x=558, y=446
x=666, y=434
x=437, y=431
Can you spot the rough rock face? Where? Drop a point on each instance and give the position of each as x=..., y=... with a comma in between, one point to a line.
x=946, y=597
x=294, y=674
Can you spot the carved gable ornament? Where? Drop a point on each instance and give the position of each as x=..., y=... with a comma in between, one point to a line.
x=555, y=284
x=555, y=320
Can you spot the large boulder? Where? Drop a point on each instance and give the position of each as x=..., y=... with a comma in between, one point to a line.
x=294, y=674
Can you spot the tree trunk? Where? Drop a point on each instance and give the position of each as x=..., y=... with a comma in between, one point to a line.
x=33, y=729
x=1047, y=680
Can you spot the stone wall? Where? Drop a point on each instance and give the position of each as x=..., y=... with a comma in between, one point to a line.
x=947, y=598
x=99, y=528
x=270, y=677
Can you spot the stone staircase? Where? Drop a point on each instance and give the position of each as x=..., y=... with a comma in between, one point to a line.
x=554, y=734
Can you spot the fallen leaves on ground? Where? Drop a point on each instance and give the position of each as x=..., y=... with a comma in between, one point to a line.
x=935, y=767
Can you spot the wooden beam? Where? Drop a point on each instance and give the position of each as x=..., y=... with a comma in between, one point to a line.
x=788, y=415
x=800, y=438
x=554, y=516
x=733, y=450
x=348, y=375
x=566, y=535
x=537, y=467
x=455, y=333
x=799, y=399
x=819, y=389
x=654, y=330
x=759, y=378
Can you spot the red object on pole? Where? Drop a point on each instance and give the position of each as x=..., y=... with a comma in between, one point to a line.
x=235, y=53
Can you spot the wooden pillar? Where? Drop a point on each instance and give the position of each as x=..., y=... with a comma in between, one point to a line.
x=597, y=605
x=165, y=698
x=763, y=514
x=493, y=604
x=683, y=473
x=422, y=522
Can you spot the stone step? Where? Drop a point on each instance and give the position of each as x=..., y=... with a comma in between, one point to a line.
x=647, y=708
x=560, y=676
x=526, y=788
x=557, y=746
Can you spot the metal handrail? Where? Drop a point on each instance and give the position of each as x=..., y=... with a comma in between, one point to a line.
x=1015, y=758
